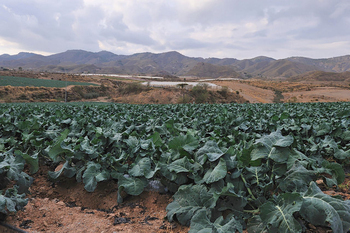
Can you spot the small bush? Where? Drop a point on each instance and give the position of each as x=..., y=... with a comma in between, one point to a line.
x=79, y=90
x=91, y=95
x=278, y=97
x=132, y=88
x=184, y=99
x=224, y=91
x=23, y=97
x=200, y=93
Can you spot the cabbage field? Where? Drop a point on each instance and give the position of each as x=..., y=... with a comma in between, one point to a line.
x=35, y=82
x=230, y=167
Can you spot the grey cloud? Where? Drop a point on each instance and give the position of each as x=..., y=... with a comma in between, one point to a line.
x=187, y=43
x=278, y=27
x=260, y=33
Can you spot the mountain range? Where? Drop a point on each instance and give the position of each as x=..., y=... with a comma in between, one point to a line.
x=172, y=63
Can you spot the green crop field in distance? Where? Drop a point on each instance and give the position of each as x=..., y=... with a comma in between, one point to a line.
x=23, y=82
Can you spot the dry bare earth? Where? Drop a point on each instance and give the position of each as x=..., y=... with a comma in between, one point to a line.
x=67, y=207
x=319, y=94
x=251, y=93
x=261, y=91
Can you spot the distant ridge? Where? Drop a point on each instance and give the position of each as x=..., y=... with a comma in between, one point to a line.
x=322, y=76
x=172, y=63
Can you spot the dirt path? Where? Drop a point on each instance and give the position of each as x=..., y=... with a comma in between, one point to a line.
x=251, y=93
x=319, y=94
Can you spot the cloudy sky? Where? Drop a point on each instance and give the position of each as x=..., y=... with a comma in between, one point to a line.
x=198, y=28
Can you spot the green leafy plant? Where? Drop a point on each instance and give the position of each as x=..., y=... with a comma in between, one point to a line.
x=230, y=167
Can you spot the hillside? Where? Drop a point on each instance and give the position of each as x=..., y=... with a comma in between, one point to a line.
x=171, y=63
x=284, y=68
x=207, y=70
x=322, y=76
x=335, y=64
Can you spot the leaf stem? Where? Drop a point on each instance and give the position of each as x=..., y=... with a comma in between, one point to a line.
x=249, y=190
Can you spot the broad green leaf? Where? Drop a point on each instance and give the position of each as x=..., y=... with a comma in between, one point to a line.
x=211, y=150
x=323, y=210
x=92, y=175
x=2, y=204
x=156, y=139
x=275, y=139
x=201, y=223
x=56, y=149
x=180, y=165
x=295, y=156
x=12, y=201
x=323, y=129
x=133, y=143
x=336, y=170
x=33, y=160
x=256, y=175
x=143, y=168
x=24, y=182
x=131, y=185
x=296, y=179
x=183, y=144
x=13, y=166
x=277, y=154
x=187, y=201
x=86, y=147
x=235, y=202
x=219, y=172
x=346, y=135
x=256, y=225
x=279, y=217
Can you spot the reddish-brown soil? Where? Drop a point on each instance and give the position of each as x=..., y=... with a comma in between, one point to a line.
x=66, y=206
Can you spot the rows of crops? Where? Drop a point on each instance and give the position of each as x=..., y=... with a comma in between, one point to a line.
x=34, y=82
x=230, y=167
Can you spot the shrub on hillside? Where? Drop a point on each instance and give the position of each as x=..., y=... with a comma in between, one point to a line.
x=200, y=93
x=132, y=88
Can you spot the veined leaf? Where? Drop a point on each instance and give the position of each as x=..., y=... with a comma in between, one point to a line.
x=279, y=217
x=219, y=172
x=92, y=175
x=57, y=149
x=275, y=139
x=277, y=154
x=143, y=168
x=13, y=166
x=296, y=179
x=201, y=223
x=187, y=201
x=180, y=165
x=33, y=160
x=183, y=144
x=336, y=170
x=324, y=210
x=24, y=182
x=133, y=144
x=157, y=140
x=131, y=185
x=211, y=151
x=256, y=225
x=12, y=201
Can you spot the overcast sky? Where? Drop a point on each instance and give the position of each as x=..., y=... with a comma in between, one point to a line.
x=197, y=28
